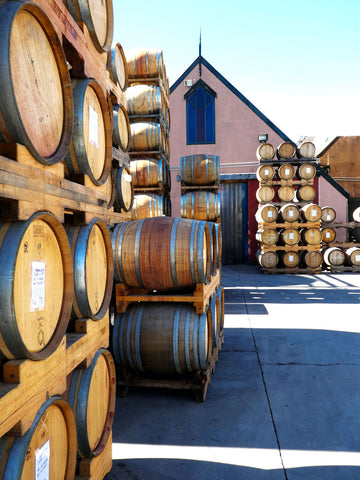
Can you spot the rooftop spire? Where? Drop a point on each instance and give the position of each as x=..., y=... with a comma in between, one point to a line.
x=200, y=53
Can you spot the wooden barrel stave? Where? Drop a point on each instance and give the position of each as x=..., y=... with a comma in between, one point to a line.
x=328, y=234
x=265, y=172
x=265, y=151
x=124, y=187
x=311, y=212
x=328, y=214
x=286, y=150
x=306, y=171
x=267, y=259
x=146, y=136
x=145, y=63
x=334, y=256
x=290, y=236
x=289, y=213
x=121, y=128
x=312, y=259
x=117, y=66
x=200, y=205
x=148, y=172
x=265, y=193
x=291, y=259
x=306, y=193
x=200, y=169
x=267, y=236
x=145, y=99
x=306, y=150
x=311, y=236
x=286, y=171
x=147, y=205
x=353, y=256
x=286, y=193
x=266, y=213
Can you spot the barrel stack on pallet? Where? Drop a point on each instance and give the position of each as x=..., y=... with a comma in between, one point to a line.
x=57, y=378
x=168, y=328
x=289, y=232
x=149, y=114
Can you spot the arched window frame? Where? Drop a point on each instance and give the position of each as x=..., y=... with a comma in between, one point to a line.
x=200, y=114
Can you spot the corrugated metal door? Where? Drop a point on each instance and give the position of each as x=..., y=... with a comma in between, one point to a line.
x=234, y=222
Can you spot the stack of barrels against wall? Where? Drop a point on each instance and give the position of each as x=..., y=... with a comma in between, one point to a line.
x=64, y=178
x=147, y=100
x=168, y=328
x=289, y=232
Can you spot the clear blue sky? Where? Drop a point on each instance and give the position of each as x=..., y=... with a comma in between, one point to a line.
x=298, y=61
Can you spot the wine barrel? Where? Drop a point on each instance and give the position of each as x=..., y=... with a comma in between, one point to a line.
x=168, y=338
x=117, y=66
x=111, y=188
x=267, y=213
x=218, y=244
x=306, y=150
x=167, y=205
x=306, y=193
x=353, y=256
x=286, y=193
x=265, y=193
x=147, y=205
x=98, y=18
x=36, y=105
x=215, y=313
x=181, y=257
x=265, y=172
x=306, y=171
x=286, y=171
x=328, y=235
x=311, y=212
x=311, y=236
x=92, y=394
x=200, y=169
x=267, y=259
x=93, y=269
x=36, y=286
x=265, y=151
x=49, y=444
x=146, y=136
x=289, y=213
x=286, y=150
x=290, y=236
x=200, y=205
x=145, y=63
x=334, y=256
x=121, y=128
x=291, y=259
x=213, y=236
x=356, y=214
x=124, y=189
x=90, y=150
x=145, y=99
x=328, y=214
x=312, y=259
x=220, y=293
x=267, y=236
x=148, y=172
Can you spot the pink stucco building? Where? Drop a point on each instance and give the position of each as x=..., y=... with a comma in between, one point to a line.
x=209, y=115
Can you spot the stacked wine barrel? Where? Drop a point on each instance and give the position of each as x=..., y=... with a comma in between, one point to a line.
x=168, y=329
x=147, y=100
x=64, y=128
x=200, y=179
x=289, y=222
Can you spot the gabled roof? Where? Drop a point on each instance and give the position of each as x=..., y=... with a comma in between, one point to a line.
x=201, y=61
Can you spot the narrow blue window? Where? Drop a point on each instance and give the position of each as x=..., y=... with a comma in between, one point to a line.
x=200, y=114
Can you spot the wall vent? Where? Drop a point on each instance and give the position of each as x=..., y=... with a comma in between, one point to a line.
x=188, y=83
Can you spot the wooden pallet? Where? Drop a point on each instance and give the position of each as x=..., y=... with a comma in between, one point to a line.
x=199, y=297
x=342, y=224
x=210, y=188
x=27, y=384
x=342, y=244
x=293, y=161
x=291, y=248
x=294, y=271
x=343, y=269
x=289, y=183
x=289, y=225
x=97, y=467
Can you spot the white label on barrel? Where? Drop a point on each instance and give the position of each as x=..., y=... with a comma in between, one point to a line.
x=357, y=258
x=291, y=235
x=308, y=170
x=327, y=234
x=287, y=171
x=93, y=127
x=37, y=302
x=127, y=177
x=266, y=171
x=313, y=213
x=270, y=214
x=291, y=213
x=328, y=216
x=291, y=258
x=42, y=462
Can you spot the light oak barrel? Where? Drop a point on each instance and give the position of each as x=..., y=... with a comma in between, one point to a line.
x=147, y=205
x=117, y=66
x=290, y=236
x=168, y=338
x=356, y=214
x=306, y=171
x=265, y=172
x=306, y=193
x=289, y=213
x=200, y=205
x=311, y=236
x=353, y=256
x=334, y=256
x=265, y=193
x=36, y=105
x=286, y=171
x=267, y=236
x=286, y=193
x=92, y=394
x=181, y=258
x=328, y=234
x=328, y=214
x=286, y=150
x=121, y=128
x=311, y=212
x=265, y=151
x=145, y=63
x=200, y=169
x=145, y=99
x=312, y=259
x=36, y=286
x=146, y=136
x=306, y=150
x=98, y=17
x=291, y=259
x=93, y=269
x=148, y=172
x=50, y=442
x=267, y=213
x=124, y=188
x=90, y=151
x=267, y=259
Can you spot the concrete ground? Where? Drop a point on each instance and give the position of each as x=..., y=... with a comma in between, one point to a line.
x=284, y=401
